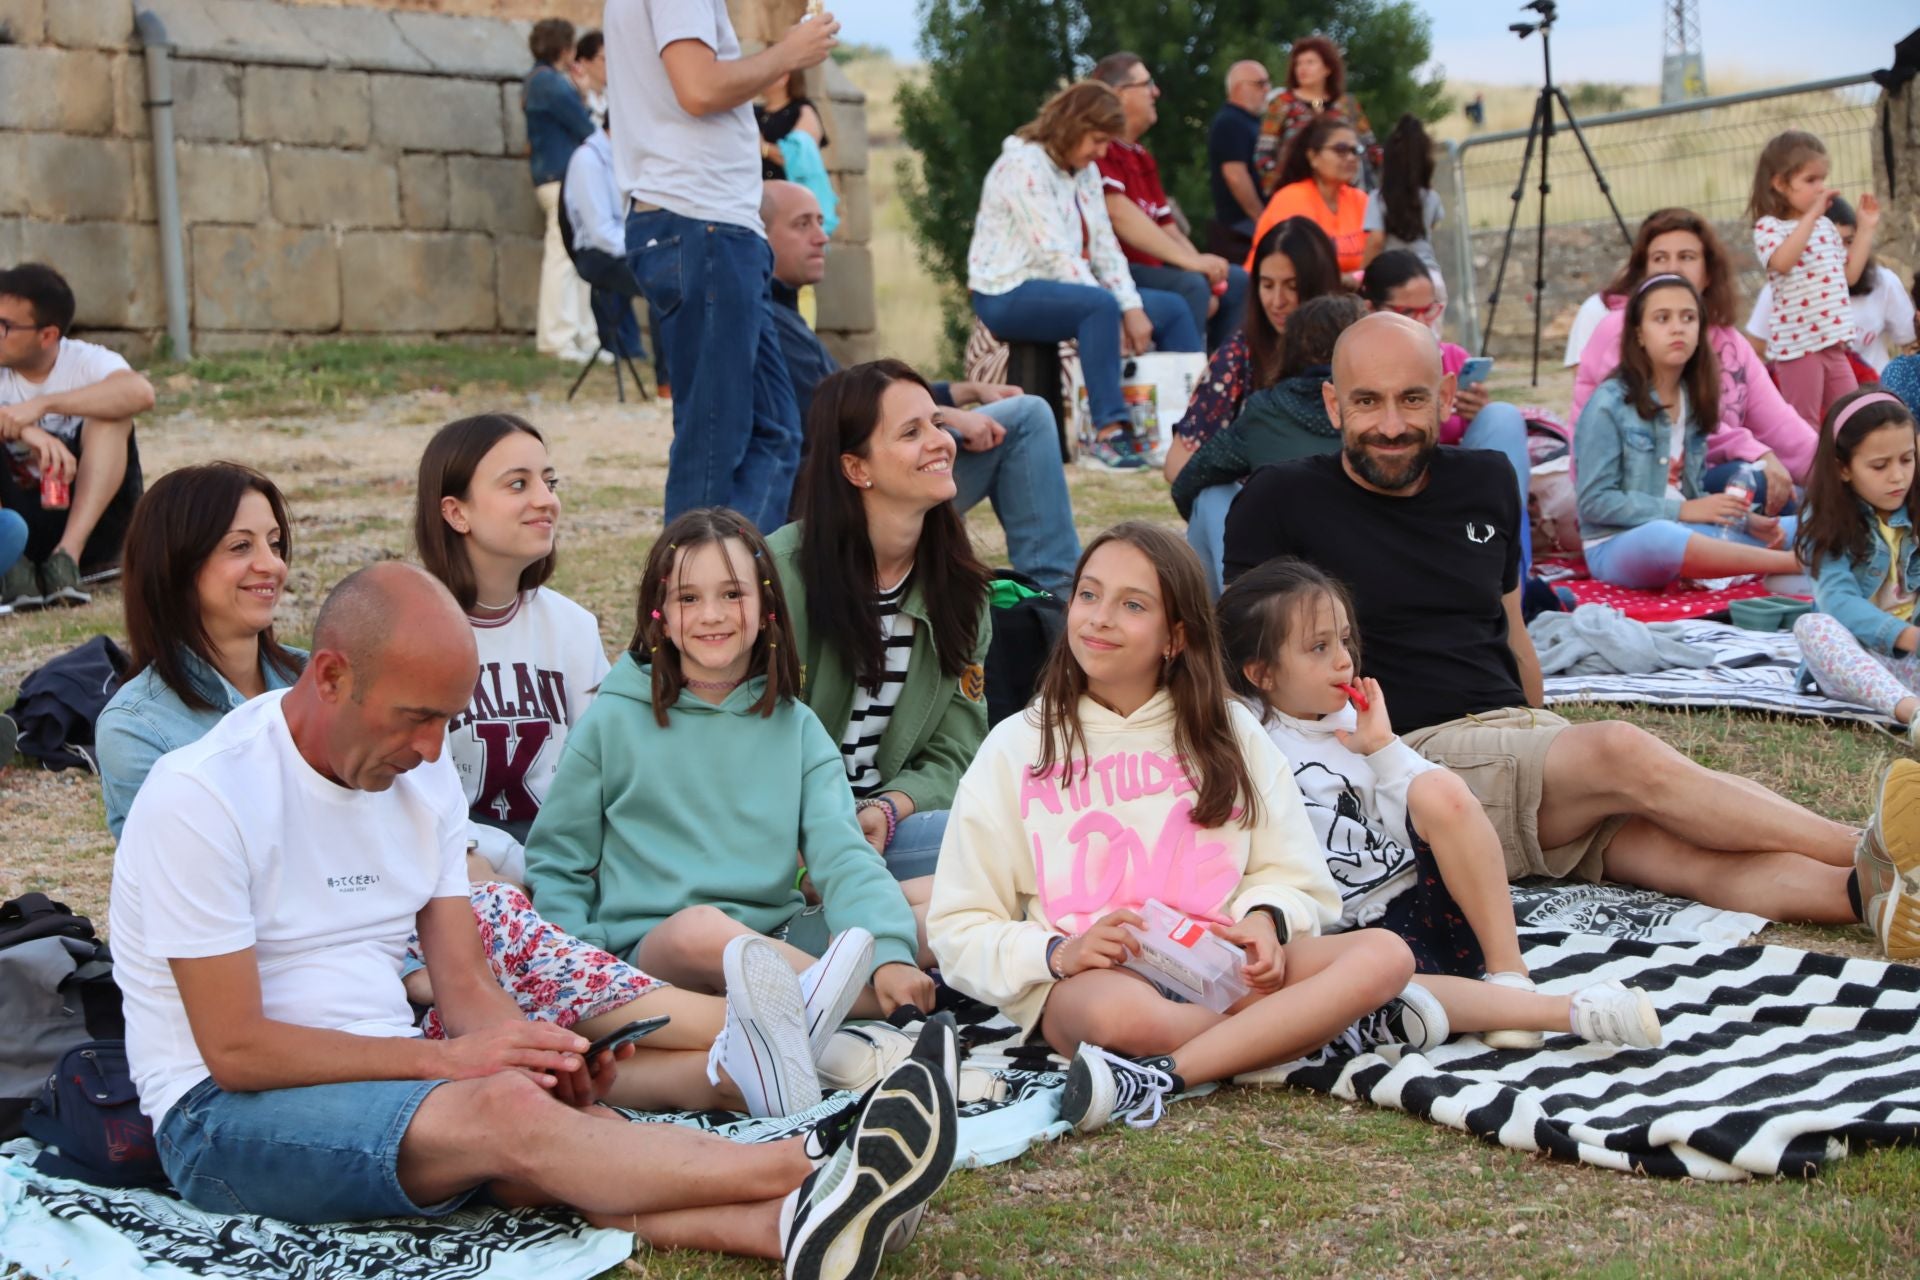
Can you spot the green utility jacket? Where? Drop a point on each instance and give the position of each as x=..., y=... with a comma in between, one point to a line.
x=939, y=722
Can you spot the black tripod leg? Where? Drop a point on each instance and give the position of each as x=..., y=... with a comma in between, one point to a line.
x=1513, y=221
x=638, y=382
x=1593, y=164
x=585, y=370
x=1540, y=228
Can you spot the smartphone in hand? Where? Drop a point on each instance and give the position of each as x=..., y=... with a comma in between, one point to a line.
x=1475, y=371
x=624, y=1035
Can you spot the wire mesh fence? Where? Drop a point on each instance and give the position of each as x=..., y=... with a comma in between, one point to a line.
x=1700, y=157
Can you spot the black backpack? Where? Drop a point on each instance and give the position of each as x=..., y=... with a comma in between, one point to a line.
x=1027, y=623
x=56, y=991
x=60, y=703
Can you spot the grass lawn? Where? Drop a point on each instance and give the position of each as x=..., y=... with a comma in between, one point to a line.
x=1248, y=1182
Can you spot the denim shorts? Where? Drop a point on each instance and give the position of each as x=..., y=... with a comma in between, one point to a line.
x=326, y=1153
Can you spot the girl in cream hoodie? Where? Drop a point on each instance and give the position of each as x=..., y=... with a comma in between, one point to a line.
x=1135, y=776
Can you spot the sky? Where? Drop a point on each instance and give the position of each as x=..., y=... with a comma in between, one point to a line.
x=1611, y=40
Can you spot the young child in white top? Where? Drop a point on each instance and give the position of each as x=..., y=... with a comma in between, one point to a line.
x=1409, y=846
x=1135, y=776
x=1810, y=270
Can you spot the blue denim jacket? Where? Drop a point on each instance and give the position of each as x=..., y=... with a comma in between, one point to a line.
x=1620, y=464
x=1844, y=587
x=557, y=122
x=146, y=719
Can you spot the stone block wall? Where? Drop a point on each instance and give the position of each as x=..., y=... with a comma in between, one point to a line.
x=345, y=171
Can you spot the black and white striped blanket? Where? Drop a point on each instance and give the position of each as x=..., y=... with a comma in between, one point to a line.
x=1776, y=1061
x=1751, y=671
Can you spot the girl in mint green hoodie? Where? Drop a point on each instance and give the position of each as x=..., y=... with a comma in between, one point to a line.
x=690, y=784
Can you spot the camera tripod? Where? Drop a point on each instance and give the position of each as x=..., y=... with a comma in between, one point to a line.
x=1541, y=131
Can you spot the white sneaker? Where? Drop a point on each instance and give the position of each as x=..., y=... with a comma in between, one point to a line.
x=833, y=983
x=1512, y=1039
x=1608, y=1013
x=893, y=1159
x=763, y=1045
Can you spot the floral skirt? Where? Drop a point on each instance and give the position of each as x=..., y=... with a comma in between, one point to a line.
x=552, y=975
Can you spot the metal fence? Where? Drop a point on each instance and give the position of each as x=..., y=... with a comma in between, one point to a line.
x=1697, y=155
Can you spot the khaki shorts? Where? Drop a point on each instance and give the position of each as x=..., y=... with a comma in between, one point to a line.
x=1502, y=757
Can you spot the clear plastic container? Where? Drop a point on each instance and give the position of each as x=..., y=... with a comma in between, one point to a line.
x=1185, y=956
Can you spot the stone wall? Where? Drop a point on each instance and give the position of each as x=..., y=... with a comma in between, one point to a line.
x=1897, y=243
x=343, y=171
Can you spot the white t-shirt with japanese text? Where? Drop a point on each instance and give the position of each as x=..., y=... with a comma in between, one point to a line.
x=236, y=842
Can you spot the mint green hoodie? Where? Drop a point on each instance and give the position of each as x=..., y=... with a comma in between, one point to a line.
x=641, y=821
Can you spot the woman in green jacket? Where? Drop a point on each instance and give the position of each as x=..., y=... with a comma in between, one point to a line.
x=889, y=605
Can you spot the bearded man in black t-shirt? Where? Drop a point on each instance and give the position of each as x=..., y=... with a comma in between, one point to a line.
x=1427, y=540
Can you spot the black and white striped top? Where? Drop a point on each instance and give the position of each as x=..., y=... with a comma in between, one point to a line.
x=860, y=744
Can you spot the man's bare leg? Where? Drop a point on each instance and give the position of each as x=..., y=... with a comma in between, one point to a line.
x=505, y=1128
x=1594, y=771
x=1776, y=884
x=103, y=468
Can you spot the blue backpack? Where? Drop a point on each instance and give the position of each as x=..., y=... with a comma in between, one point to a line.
x=88, y=1117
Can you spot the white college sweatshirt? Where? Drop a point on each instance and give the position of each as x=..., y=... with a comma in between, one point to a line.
x=1358, y=807
x=1027, y=859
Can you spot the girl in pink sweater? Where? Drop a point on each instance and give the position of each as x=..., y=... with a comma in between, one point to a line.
x=1756, y=424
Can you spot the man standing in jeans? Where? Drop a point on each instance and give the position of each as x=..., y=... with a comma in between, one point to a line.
x=687, y=155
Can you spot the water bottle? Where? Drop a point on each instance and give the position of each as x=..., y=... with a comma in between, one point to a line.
x=1743, y=482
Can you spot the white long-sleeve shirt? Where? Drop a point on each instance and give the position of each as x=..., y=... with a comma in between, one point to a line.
x=1039, y=222
x=1358, y=807
x=1027, y=859
x=594, y=203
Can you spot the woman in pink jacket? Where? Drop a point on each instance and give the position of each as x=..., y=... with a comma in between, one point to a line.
x=1757, y=426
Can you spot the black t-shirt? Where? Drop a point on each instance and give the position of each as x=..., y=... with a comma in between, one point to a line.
x=1427, y=572
x=1231, y=139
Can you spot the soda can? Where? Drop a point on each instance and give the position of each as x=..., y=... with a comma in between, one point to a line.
x=55, y=493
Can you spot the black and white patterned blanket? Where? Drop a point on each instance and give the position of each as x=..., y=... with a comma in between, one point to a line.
x=1776, y=1061
x=1751, y=671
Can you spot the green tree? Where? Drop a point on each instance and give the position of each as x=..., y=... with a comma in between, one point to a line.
x=990, y=63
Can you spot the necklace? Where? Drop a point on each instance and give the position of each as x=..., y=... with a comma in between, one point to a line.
x=716, y=686
x=496, y=608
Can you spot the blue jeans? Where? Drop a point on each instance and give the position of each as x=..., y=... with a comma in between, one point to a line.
x=13, y=535
x=1049, y=311
x=736, y=428
x=1717, y=476
x=1647, y=557
x=1197, y=293
x=1024, y=480
x=326, y=1153
x=1207, y=532
x=916, y=845
x=1502, y=428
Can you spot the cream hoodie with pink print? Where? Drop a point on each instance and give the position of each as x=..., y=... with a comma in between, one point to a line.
x=1027, y=859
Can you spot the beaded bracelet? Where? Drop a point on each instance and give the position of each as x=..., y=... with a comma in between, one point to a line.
x=892, y=815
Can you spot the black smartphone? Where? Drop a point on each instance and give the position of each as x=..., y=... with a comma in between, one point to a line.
x=624, y=1035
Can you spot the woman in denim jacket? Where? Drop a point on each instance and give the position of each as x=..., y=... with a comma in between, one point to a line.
x=1640, y=450
x=1858, y=534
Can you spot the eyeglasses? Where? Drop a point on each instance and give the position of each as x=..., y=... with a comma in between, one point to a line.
x=7, y=328
x=1141, y=84
x=1422, y=314
x=1345, y=150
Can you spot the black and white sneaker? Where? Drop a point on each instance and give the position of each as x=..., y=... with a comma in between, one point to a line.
x=1414, y=1018
x=889, y=1163
x=1102, y=1085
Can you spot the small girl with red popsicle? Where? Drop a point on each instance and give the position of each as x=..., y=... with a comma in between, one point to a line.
x=1408, y=845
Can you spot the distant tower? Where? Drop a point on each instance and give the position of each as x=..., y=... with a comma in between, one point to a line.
x=1683, y=74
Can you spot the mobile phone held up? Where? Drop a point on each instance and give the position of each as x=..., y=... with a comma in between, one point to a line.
x=1475, y=371
x=625, y=1035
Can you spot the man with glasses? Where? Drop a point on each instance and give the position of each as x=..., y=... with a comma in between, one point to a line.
x=1231, y=140
x=72, y=466
x=1159, y=254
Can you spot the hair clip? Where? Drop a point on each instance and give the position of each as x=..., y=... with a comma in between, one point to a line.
x=673, y=546
x=656, y=615
x=766, y=582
